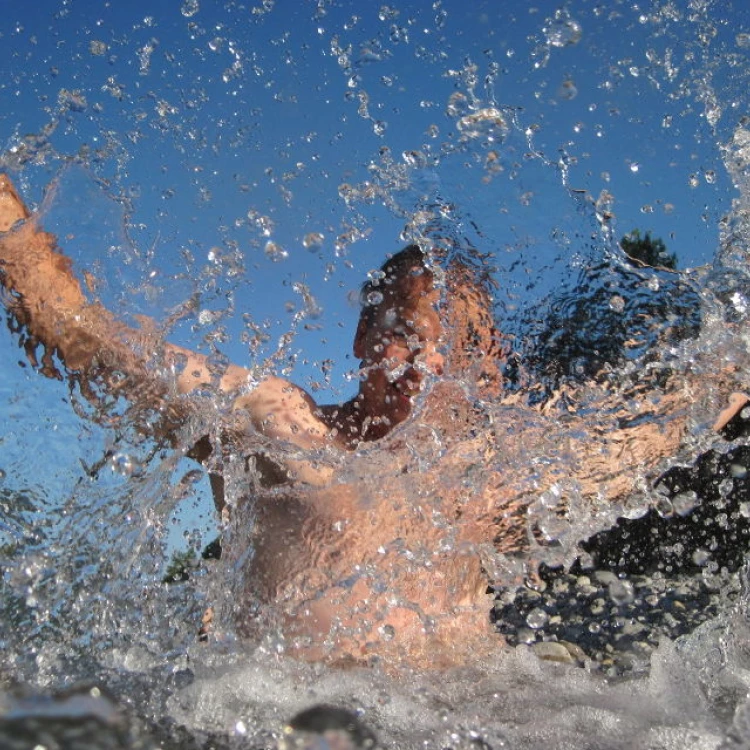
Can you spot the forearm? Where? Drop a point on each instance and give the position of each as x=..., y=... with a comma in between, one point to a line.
x=54, y=315
x=47, y=300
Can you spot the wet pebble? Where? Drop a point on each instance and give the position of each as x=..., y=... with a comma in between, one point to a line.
x=327, y=726
x=553, y=651
x=613, y=623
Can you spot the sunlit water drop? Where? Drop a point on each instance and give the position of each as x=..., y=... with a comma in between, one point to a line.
x=189, y=8
x=562, y=30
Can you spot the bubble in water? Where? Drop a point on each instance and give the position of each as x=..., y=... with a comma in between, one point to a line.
x=537, y=618
x=189, y=8
x=313, y=241
x=562, y=30
x=621, y=592
x=743, y=40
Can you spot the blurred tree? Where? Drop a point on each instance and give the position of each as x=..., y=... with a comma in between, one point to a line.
x=179, y=567
x=647, y=251
x=608, y=316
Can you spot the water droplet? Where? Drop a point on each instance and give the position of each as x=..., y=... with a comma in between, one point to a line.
x=387, y=632
x=275, y=252
x=207, y=317
x=263, y=223
x=634, y=167
x=75, y=101
x=621, y=592
x=684, y=502
x=123, y=464
x=537, y=618
x=458, y=105
x=313, y=241
x=568, y=90
x=374, y=298
x=97, y=48
x=488, y=123
x=664, y=507
x=386, y=13
x=738, y=471
x=617, y=303
x=743, y=40
x=189, y=8
x=562, y=30
x=701, y=557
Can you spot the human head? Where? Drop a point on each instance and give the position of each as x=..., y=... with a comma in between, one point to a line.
x=397, y=335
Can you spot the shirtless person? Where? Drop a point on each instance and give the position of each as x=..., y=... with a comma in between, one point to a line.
x=361, y=553
x=397, y=342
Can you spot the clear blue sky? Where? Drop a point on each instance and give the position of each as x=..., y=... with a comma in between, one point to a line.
x=232, y=125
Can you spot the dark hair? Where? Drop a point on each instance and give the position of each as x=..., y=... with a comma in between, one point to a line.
x=390, y=272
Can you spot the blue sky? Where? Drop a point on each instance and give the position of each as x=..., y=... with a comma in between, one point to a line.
x=268, y=154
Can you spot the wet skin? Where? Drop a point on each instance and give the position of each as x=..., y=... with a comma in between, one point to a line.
x=381, y=538
x=398, y=347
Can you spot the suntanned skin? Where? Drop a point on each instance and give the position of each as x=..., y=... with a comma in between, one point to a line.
x=388, y=555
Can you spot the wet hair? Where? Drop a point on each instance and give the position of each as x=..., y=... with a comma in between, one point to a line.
x=390, y=273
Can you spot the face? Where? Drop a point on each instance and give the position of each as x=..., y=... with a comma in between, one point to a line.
x=398, y=348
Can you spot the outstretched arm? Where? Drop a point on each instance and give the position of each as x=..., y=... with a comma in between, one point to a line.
x=48, y=301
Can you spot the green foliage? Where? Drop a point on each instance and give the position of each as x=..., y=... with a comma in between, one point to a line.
x=647, y=251
x=179, y=567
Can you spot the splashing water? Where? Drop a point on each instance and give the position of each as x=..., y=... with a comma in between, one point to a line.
x=237, y=193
